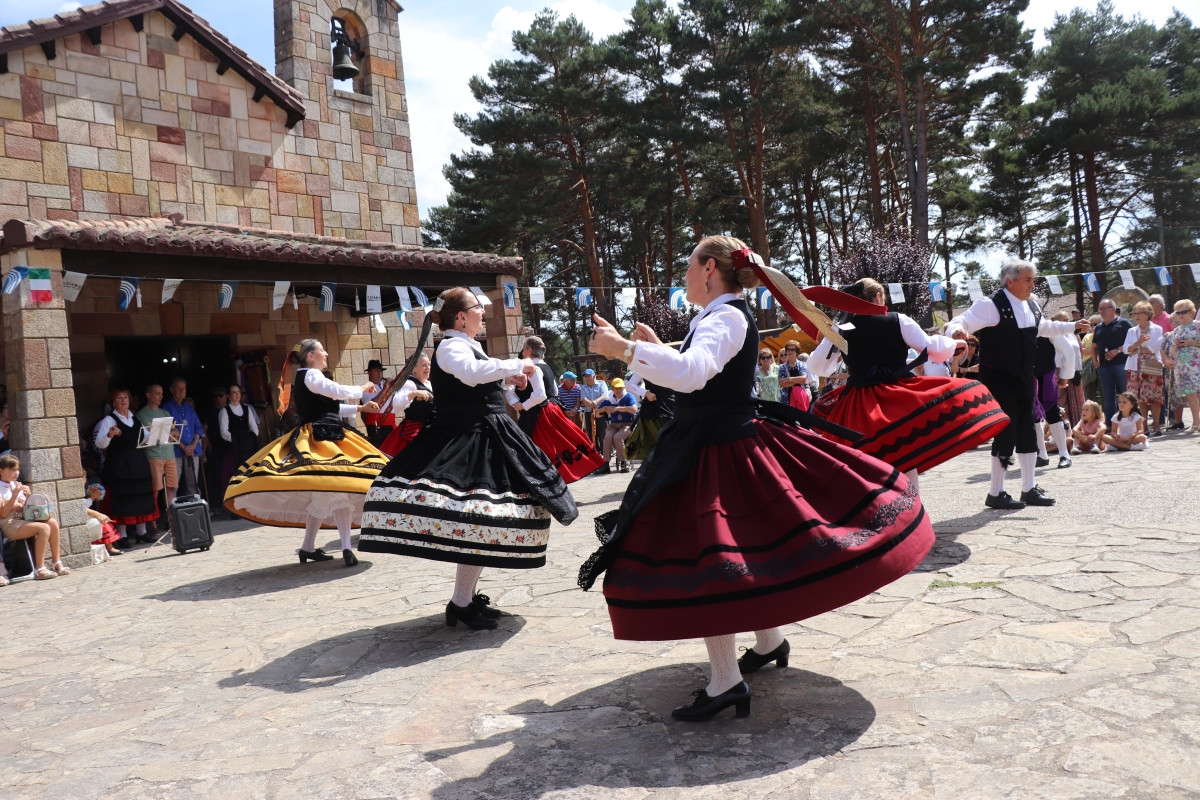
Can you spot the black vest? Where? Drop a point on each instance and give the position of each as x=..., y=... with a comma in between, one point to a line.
x=1005, y=347
x=876, y=350
x=245, y=442
x=420, y=410
x=454, y=396
x=1043, y=361
x=663, y=404
x=313, y=407
x=728, y=395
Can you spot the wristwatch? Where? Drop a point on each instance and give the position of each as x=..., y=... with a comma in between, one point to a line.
x=627, y=356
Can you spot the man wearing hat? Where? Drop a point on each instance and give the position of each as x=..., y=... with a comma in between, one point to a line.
x=621, y=410
x=569, y=396
x=381, y=424
x=591, y=392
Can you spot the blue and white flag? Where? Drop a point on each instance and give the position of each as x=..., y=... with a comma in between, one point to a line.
x=937, y=290
x=404, y=323
x=419, y=295
x=327, y=292
x=1091, y=281
x=765, y=298
x=678, y=299
x=583, y=297
x=510, y=295
x=14, y=278
x=128, y=290
x=228, y=290
x=1164, y=276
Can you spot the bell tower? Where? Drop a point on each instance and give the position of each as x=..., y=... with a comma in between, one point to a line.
x=355, y=132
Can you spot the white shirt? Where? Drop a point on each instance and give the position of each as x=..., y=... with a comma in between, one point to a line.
x=319, y=384
x=223, y=419
x=101, y=438
x=456, y=355
x=383, y=409
x=1068, y=357
x=984, y=314
x=402, y=398
x=6, y=490
x=539, y=392
x=825, y=359
x=1154, y=345
x=719, y=332
x=636, y=385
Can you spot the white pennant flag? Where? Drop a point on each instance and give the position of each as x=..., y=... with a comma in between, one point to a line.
x=295, y=302
x=379, y=326
x=1195, y=271
x=139, y=296
x=357, y=307
x=405, y=301
x=628, y=295
x=72, y=285
x=279, y=294
x=169, y=287
x=897, y=292
x=538, y=295
x=974, y=290
x=1127, y=278
x=1055, y=284
x=483, y=298
x=374, y=300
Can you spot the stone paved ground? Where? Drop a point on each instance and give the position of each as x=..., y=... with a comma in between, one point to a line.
x=1047, y=654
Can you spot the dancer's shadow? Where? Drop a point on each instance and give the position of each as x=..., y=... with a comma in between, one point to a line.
x=268, y=580
x=620, y=734
x=946, y=552
x=612, y=497
x=363, y=652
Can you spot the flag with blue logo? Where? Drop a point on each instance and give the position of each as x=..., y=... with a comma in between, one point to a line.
x=765, y=298
x=228, y=290
x=1091, y=281
x=583, y=297
x=127, y=292
x=678, y=299
x=1164, y=276
x=510, y=295
x=422, y=299
x=937, y=290
x=404, y=322
x=14, y=278
x=327, y=293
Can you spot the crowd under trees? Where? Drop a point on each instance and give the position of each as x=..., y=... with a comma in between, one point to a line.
x=817, y=129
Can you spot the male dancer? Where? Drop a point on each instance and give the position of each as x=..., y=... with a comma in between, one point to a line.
x=1007, y=325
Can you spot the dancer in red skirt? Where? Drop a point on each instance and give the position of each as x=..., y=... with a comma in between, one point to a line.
x=740, y=519
x=543, y=420
x=911, y=423
x=415, y=399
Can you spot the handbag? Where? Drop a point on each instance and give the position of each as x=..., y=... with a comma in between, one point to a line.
x=37, y=508
x=1148, y=365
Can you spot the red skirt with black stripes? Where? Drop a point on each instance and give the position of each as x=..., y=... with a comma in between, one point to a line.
x=565, y=444
x=915, y=423
x=763, y=531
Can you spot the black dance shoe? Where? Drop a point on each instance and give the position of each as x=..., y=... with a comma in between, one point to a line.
x=705, y=707
x=752, y=661
x=1004, y=501
x=468, y=615
x=315, y=555
x=1042, y=462
x=483, y=604
x=124, y=543
x=1036, y=497
x=1064, y=462
x=349, y=557
x=605, y=470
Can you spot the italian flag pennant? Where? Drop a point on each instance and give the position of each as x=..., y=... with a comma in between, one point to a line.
x=39, y=285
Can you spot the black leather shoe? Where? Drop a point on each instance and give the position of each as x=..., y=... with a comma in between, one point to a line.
x=1042, y=462
x=752, y=661
x=124, y=543
x=605, y=470
x=1004, y=500
x=349, y=557
x=483, y=604
x=468, y=615
x=705, y=707
x=315, y=555
x=1064, y=462
x=1036, y=497
x=1178, y=426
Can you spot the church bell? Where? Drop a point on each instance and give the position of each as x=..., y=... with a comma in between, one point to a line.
x=343, y=65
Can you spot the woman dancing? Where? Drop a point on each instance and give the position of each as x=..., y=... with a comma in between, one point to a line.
x=415, y=399
x=911, y=423
x=317, y=475
x=739, y=519
x=472, y=489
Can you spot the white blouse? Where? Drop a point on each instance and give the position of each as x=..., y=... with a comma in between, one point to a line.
x=319, y=384
x=456, y=355
x=223, y=419
x=402, y=398
x=718, y=333
x=1130, y=346
x=101, y=439
x=825, y=360
x=984, y=314
x=539, y=391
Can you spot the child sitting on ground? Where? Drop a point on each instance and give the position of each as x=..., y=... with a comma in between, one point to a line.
x=1128, y=428
x=1089, y=433
x=94, y=494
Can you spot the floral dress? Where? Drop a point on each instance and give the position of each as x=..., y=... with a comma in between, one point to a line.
x=1187, y=359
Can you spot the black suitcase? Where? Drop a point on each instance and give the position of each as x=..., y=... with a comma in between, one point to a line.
x=190, y=526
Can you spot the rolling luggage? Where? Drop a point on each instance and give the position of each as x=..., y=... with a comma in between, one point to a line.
x=190, y=526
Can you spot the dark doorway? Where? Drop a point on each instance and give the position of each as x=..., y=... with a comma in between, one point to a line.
x=206, y=362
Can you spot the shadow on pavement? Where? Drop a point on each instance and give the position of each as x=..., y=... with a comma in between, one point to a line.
x=620, y=734
x=279, y=578
x=363, y=652
x=613, y=497
x=946, y=552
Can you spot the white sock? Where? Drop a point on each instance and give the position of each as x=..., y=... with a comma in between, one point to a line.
x=723, y=657
x=1040, y=437
x=766, y=641
x=342, y=518
x=141, y=528
x=998, y=470
x=464, y=584
x=914, y=480
x=1058, y=432
x=311, y=528
x=1028, y=462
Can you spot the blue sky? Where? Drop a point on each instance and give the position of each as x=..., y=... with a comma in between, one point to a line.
x=445, y=42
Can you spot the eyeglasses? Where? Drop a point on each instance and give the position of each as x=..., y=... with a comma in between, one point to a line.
x=764, y=358
x=477, y=305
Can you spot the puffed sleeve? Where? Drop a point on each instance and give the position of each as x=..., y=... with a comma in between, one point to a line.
x=982, y=314
x=101, y=439
x=940, y=347
x=455, y=356
x=717, y=339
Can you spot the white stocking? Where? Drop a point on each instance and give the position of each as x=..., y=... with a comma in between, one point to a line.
x=766, y=641
x=914, y=480
x=311, y=528
x=723, y=657
x=998, y=470
x=1028, y=462
x=1039, y=436
x=464, y=584
x=1058, y=432
x=342, y=518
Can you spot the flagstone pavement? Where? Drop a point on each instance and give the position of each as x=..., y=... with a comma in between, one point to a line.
x=1045, y=654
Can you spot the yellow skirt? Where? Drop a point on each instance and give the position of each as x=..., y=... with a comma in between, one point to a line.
x=286, y=486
